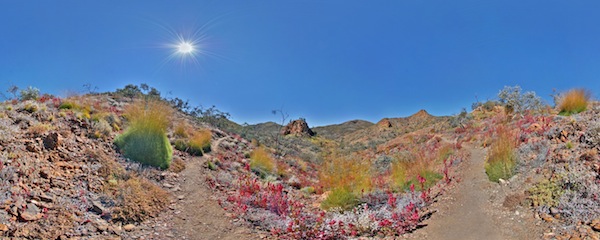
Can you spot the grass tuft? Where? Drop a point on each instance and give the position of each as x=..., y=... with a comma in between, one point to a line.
x=340, y=198
x=501, y=160
x=574, y=101
x=145, y=140
x=261, y=162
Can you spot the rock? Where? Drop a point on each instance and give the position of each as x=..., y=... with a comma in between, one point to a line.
x=546, y=217
x=97, y=207
x=294, y=182
x=129, y=227
x=553, y=211
x=297, y=127
x=181, y=197
x=31, y=213
x=52, y=141
x=384, y=123
x=595, y=225
x=101, y=225
x=3, y=227
x=167, y=185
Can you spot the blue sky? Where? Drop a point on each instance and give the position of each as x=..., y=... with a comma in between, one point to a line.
x=326, y=61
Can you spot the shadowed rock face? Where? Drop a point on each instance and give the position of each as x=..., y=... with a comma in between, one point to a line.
x=297, y=127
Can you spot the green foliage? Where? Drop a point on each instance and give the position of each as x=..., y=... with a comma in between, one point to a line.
x=341, y=198
x=146, y=146
x=546, y=193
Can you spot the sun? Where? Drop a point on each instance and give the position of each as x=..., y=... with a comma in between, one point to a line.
x=186, y=48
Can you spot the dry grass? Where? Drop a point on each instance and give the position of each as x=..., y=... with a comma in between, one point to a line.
x=177, y=165
x=39, y=129
x=181, y=130
x=261, y=161
x=151, y=115
x=501, y=160
x=340, y=172
x=406, y=168
x=138, y=199
x=574, y=101
x=200, y=141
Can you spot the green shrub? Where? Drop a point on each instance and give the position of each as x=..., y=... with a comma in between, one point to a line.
x=145, y=140
x=340, y=199
x=147, y=147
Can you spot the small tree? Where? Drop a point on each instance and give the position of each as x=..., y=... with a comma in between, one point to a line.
x=517, y=102
x=276, y=136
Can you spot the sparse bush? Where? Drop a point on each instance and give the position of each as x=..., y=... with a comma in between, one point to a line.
x=30, y=93
x=501, y=160
x=341, y=198
x=145, y=140
x=573, y=101
x=516, y=102
x=261, y=161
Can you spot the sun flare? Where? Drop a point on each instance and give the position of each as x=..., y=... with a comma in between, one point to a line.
x=186, y=48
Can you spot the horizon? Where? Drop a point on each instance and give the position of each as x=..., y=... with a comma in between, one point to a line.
x=328, y=62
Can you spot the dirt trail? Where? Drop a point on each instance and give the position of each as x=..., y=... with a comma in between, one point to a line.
x=200, y=216
x=470, y=211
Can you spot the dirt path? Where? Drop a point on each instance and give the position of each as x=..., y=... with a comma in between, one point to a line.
x=471, y=212
x=200, y=216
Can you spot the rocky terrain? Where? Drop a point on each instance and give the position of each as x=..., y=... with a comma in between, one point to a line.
x=62, y=176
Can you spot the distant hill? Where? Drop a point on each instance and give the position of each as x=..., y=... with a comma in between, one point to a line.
x=337, y=131
x=390, y=128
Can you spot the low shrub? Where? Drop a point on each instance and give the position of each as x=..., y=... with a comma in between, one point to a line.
x=546, y=193
x=340, y=199
x=145, y=140
x=501, y=160
x=30, y=93
x=66, y=105
x=573, y=101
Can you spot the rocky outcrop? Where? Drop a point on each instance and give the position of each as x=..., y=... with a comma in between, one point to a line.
x=297, y=127
x=384, y=123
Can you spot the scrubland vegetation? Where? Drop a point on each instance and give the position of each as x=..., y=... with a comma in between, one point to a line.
x=306, y=187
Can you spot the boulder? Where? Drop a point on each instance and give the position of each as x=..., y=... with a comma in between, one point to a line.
x=297, y=127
